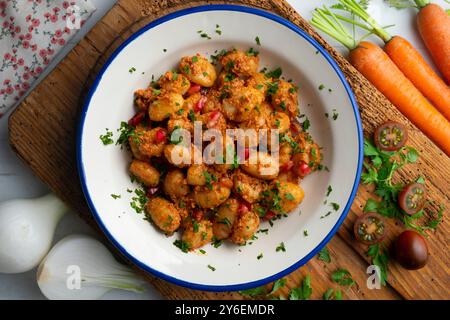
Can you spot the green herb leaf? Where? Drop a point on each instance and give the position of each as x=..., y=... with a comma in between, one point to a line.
x=324, y=255
x=342, y=277
x=280, y=283
x=107, y=137
x=303, y=292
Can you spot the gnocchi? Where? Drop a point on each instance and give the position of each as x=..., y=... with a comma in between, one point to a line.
x=228, y=194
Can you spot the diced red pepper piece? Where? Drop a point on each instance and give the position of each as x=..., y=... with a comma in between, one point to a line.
x=269, y=215
x=287, y=166
x=303, y=169
x=137, y=119
x=160, y=136
x=198, y=107
x=193, y=89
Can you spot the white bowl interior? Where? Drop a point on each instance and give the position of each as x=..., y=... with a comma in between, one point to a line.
x=106, y=173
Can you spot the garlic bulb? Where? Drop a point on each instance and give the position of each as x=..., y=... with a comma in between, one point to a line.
x=80, y=267
x=27, y=227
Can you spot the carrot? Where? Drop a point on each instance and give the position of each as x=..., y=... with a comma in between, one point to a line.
x=407, y=59
x=415, y=68
x=378, y=68
x=434, y=28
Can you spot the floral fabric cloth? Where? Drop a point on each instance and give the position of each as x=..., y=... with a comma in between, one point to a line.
x=32, y=32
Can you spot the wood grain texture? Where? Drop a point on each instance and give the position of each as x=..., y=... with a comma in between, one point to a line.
x=43, y=129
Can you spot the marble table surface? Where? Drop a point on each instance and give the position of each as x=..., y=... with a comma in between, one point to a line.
x=17, y=181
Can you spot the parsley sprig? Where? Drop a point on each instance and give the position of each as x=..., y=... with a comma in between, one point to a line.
x=380, y=170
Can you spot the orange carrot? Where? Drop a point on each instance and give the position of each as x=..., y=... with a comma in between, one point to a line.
x=378, y=68
x=416, y=69
x=434, y=27
x=407, y=59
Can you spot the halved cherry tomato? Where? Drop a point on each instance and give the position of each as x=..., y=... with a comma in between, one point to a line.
x=412, y=198
x=137, y=119
x=369, y=228
x=390, y=136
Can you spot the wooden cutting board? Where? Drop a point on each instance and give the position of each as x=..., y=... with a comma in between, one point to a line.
x=42, y=132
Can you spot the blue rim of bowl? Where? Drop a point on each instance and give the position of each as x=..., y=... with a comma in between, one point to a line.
x=304, y=260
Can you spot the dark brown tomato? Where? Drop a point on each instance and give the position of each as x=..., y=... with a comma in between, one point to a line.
x=411, y=250
x=369, y=228
x=390, y=136
x=412, y=198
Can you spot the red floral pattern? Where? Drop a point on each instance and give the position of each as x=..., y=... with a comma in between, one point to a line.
x=31, y=33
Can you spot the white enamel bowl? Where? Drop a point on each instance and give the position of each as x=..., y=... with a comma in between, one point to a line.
x=157, y=48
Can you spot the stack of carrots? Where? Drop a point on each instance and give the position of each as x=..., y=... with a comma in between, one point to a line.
x=400, y=72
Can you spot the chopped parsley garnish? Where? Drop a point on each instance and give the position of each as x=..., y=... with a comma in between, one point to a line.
x=182, y=245
x=139, y=200
x=252, y=52
x=325, y=215
x=335, y=115
x=259, y=256
x=330, y=294
x=335, y=206
x=380, y=258
x=225, y=221
x=202, y=251
x=303, y=292
x=329, y=190
x=272, y=88
x=195, y=226
x=194, y=59
x=281, y=247
x=254, y=292
x=205, y=35
x=132, y=69
x=276, y=73
x=211, y=267
x=305, y=233
x=306, y=124
x=280, y=283
x=208, y=178
x=107, y=137
x=116, y=196
x=289, y=196
x=324, y=255
x=258, y=41
x=321, y=87
x=191, y=115
x=216, y=243
x=126, y=131
x=342, y=277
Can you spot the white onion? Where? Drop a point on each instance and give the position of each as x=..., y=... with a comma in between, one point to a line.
x=80, y=267
x=27, y=227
